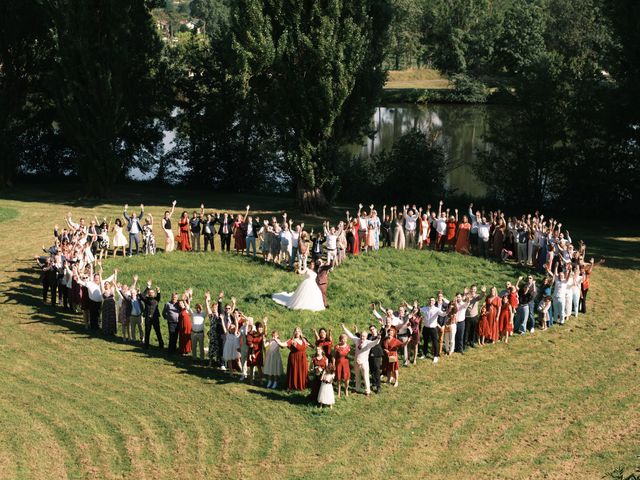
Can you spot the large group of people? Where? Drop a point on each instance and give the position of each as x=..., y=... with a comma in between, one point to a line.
x=72, y=273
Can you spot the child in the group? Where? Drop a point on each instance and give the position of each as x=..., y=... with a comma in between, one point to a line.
x=483, y=326
x=326, y=395
x=231, y=352
x=273, y=369
x=319, y=364
x=544, y=308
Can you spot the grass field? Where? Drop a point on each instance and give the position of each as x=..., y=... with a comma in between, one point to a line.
x=417, y=78
x=556, y=404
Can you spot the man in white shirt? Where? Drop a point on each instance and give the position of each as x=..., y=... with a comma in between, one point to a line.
x=295, y=241
x=331, y=237
x=197, y=332
x=484, y=229
x=363, y=348
x=410, y=224
x=431, y=314
x=559, y=296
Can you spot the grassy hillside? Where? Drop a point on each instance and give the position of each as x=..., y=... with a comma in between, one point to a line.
x=556, y=404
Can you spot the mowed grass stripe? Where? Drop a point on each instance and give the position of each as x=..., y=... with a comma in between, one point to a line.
x=586, y=372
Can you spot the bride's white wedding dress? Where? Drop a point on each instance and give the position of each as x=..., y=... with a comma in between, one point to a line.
x=306, y=297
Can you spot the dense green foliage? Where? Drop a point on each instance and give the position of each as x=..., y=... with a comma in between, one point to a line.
x=414, y=168
x=264, y=95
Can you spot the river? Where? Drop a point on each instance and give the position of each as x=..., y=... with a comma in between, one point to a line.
x=461, y=133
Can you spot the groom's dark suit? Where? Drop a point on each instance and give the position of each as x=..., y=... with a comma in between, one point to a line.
x=322, y=279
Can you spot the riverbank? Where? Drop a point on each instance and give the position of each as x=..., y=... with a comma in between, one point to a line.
x=424, y=85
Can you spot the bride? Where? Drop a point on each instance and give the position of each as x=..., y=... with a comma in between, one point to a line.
x=306, y=297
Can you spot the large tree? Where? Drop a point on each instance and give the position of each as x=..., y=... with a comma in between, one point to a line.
x=23, y=49
x=106, y=83
x=307, y=66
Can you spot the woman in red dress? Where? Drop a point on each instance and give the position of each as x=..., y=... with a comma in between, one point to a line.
x=484, y=330
x=297, y=365
x=462, y=242
x=493, y=313
x=356, y=238
x=184, y=329
x=324, y=340
x=390, y=346
x=415, y=320
x=255, y=342
x=239, y=239
x=452, y=223
x=505, y=319
x=185, y=242
x=341, y=361
x=319, y=364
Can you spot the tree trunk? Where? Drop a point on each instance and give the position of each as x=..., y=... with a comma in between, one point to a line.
x=311, y=199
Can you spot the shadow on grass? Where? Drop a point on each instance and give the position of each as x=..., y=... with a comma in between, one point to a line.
x=29, y=292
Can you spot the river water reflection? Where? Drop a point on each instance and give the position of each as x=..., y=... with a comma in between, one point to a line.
x=461, y=129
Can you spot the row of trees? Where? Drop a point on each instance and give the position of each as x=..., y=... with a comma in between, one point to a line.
x=270, y=95
x=568, y=71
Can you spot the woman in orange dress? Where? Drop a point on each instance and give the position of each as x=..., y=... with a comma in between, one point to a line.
x=356, y=237
x=462, y=242
x=493, y=304
x=297, y=365
x=341, y=361
x=184, y=329
x=185, y=241
x=390, y=346
x=506, y=325
x=452, y=224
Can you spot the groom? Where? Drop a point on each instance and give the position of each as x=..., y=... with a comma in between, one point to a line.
x=322, y=278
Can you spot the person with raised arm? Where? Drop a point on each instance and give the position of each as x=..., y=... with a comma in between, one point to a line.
x=170, y=243
x=197, y=328
x=386, y=228
x=273, y=368
x=410, y=224
x=399, y=240
x=171, y=314
x=184, y=237
x=340, y=359
x=239, y=233
x=373, y=238
x=560, y=283
x=363, y=224
x=251, y=227
x=185, y=326
x=430, y=332
x=134, y=227
x=151, y=300
x=331, y=236
x=363, y=348
x=441, y=228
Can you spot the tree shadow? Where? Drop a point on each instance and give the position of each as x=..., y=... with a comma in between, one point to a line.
x=26, y=290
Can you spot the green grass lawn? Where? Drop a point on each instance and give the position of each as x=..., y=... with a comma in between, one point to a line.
x=556, y=404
